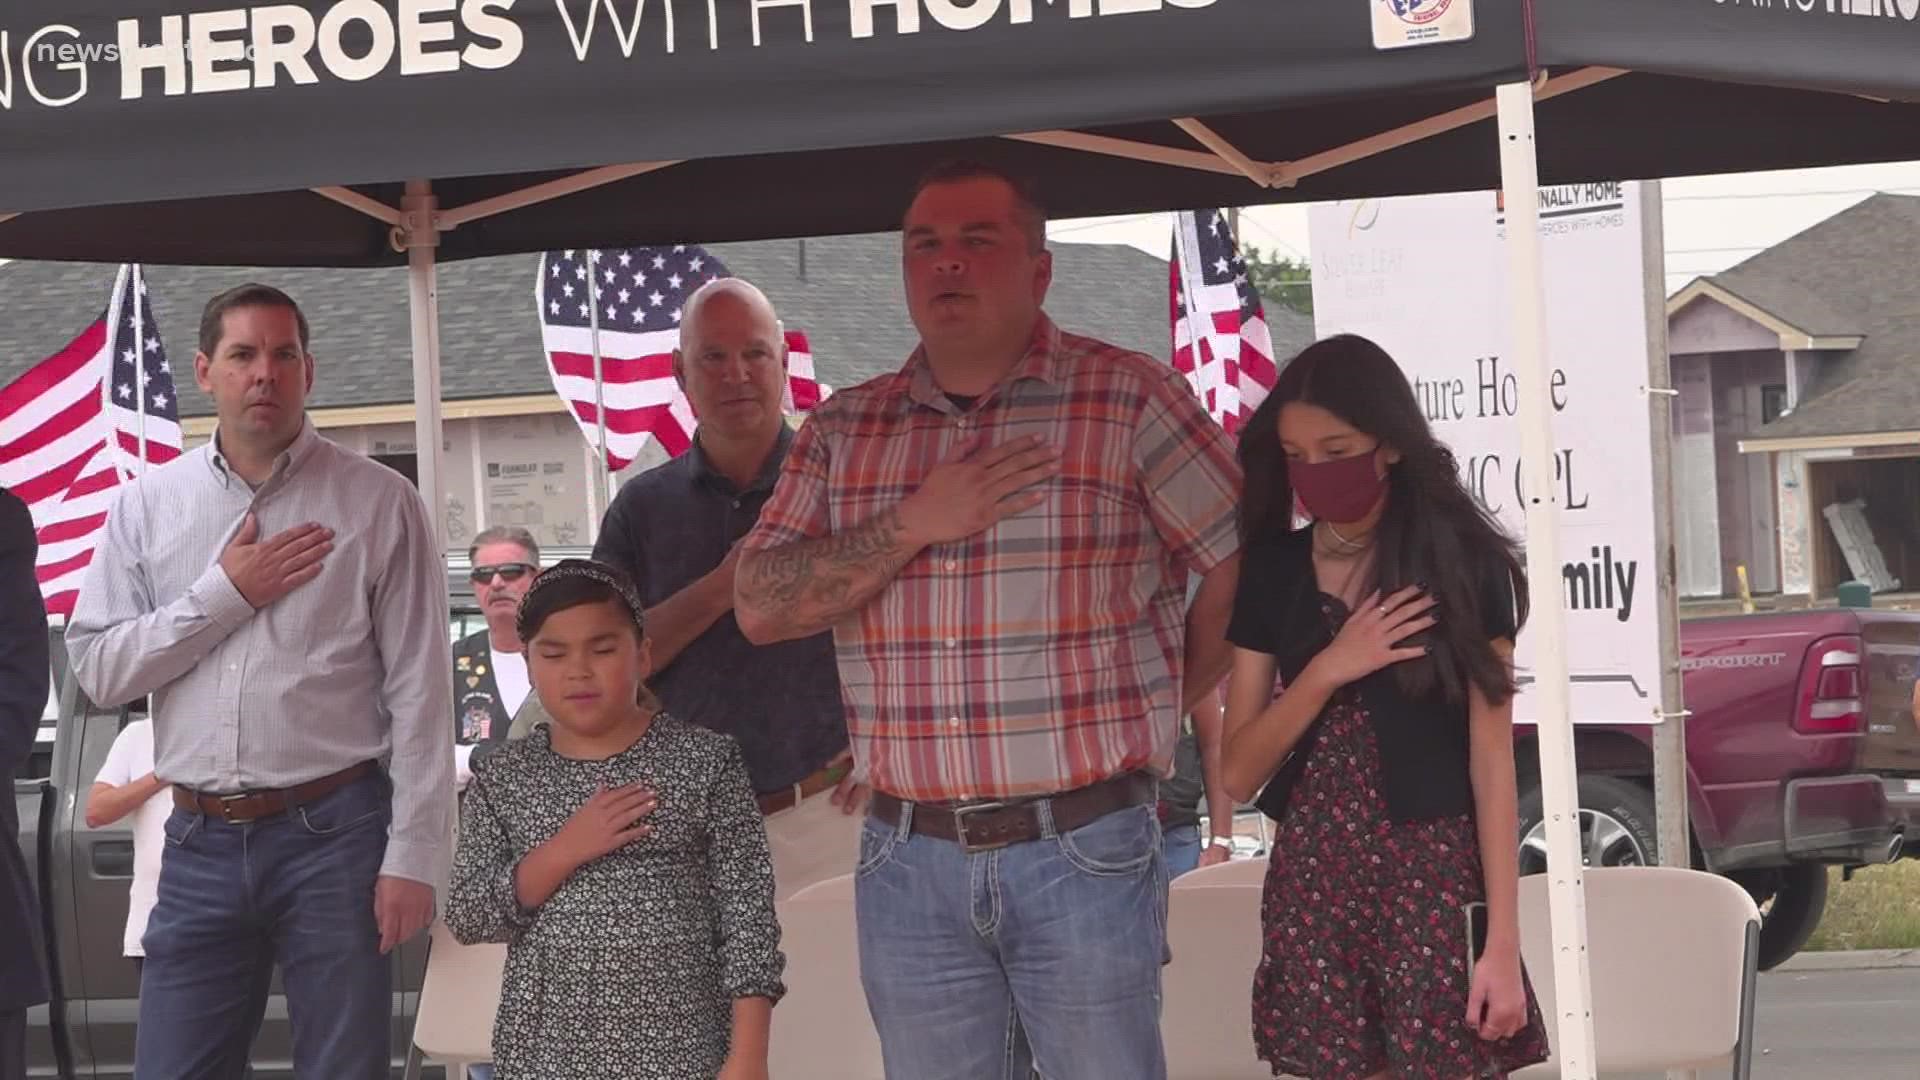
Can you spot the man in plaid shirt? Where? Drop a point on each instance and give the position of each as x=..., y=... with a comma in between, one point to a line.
x=999, y=536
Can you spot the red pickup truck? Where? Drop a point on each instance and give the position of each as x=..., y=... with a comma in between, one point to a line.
x=1803, y=752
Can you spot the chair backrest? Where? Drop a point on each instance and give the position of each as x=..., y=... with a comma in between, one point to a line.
x=821, y=1029
x=1667, y=954
x=1206, y=1019
x=1232, y=872
x=458, y=999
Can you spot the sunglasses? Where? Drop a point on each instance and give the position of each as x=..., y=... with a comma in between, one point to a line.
x=512, y=571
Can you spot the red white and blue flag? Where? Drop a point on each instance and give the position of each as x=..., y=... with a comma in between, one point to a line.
x=1220, y=336
x=80, y=423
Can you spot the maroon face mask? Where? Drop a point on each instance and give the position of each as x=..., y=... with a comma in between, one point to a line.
x=1342, y=491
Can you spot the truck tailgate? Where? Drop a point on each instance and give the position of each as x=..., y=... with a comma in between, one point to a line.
x=1892, y=747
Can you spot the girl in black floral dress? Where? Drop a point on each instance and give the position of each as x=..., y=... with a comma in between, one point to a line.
x=620, y=855
x=1390, y=924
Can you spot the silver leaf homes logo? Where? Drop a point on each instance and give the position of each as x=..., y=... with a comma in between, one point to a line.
x=1908, y=10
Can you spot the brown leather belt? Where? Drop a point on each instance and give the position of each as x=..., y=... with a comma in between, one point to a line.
x=253, y=805
x=787, y=798
x=983, y=826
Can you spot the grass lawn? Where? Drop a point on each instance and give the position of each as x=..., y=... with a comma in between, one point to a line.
x=1878, y=909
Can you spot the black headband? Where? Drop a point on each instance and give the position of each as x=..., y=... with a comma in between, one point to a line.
x=587, y=570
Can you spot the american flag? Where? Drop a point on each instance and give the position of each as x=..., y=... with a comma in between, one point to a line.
x=639, y=293
x=71, y=431
x=1220, y=337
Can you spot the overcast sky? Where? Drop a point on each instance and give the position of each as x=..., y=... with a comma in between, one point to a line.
x=1712, y=222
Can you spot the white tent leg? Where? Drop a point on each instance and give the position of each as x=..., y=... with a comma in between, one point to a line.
x=1520, y=180
x=419, y=233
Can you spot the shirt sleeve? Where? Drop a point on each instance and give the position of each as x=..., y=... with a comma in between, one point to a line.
x=122, y=646
x=1252, y=625
x=1188, y=474
x=117, y=770
x=483, y=904
x=797, y=509
x=410, y=629
x=1497, y=614
x=24, y=670
x=741, y=869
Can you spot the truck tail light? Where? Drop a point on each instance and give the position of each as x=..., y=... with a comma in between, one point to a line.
x=1833, y=688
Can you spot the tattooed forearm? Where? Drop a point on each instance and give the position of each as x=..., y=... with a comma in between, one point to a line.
x=805, y=587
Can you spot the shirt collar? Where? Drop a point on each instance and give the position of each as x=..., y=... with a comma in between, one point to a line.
x=1040, y=363
x=290, y=459
x=703, y=471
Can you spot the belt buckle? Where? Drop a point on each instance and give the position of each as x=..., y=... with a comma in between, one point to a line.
x=960, y=815
x=226, y=808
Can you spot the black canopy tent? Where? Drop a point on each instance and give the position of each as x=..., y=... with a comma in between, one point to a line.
x=350, y=135
x=164, y=156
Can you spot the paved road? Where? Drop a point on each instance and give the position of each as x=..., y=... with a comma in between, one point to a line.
x=1827, y=1025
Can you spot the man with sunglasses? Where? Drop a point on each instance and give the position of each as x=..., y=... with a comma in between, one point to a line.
x=490, y=681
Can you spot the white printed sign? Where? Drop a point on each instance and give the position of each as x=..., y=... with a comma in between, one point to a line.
x=1398, y=24
x=1426, y=278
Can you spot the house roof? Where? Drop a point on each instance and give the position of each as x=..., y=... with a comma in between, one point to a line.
x=1850, y=276
x=843, y=291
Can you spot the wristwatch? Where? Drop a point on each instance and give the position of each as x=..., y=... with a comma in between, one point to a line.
x=1222, y=841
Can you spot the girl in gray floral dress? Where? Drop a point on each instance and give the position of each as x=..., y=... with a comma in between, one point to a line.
x=620, y=856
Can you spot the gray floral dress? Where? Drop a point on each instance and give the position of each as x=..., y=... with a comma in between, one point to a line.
x=630, y=969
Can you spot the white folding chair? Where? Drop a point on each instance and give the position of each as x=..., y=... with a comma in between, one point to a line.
x=1206, y=1017
x=1236, y=872
x=458, y=999
x=821, y=1028
x=1673, y=959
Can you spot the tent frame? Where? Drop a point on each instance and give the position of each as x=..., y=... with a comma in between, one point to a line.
x=419, y=221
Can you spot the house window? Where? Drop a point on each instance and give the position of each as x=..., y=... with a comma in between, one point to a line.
x=1773, y=402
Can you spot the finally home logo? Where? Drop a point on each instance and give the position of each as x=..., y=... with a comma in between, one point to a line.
x=1878, y=9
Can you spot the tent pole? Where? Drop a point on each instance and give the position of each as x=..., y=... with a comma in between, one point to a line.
x=419, y=234
x=1520, y=184
x=1670, y=736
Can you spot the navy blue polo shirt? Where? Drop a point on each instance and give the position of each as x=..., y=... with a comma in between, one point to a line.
x=666, y=528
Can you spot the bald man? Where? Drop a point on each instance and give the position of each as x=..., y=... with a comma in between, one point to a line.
x=673, y=529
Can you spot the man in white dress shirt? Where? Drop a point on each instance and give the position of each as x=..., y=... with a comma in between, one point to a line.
x=284, y=601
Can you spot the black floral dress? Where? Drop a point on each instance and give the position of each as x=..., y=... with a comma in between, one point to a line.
x=1363, y=965
x=630, y=969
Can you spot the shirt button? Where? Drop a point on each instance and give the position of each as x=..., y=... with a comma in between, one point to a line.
x=953, y=722
x=952, y=565
x=736, y=504
x=953, y=643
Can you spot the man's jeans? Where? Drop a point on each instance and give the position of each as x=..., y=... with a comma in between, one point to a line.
x=1181, y=846
x=296, y=890
x=1039, y=956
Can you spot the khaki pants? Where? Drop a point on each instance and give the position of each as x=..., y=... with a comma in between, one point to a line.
x=812, y=842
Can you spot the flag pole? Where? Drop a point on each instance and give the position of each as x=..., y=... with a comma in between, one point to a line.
x=140, y=366
x=599, y=377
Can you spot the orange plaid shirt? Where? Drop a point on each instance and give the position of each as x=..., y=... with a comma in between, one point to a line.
x=1045, y=653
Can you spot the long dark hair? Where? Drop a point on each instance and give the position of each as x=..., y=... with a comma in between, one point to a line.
x=1432, y=530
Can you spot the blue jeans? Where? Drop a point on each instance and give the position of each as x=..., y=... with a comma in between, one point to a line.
x=294, y=890
x=1039, y=956
x=1180, y=846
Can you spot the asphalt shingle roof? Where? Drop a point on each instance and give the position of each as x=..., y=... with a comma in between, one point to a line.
x=1852, y=274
